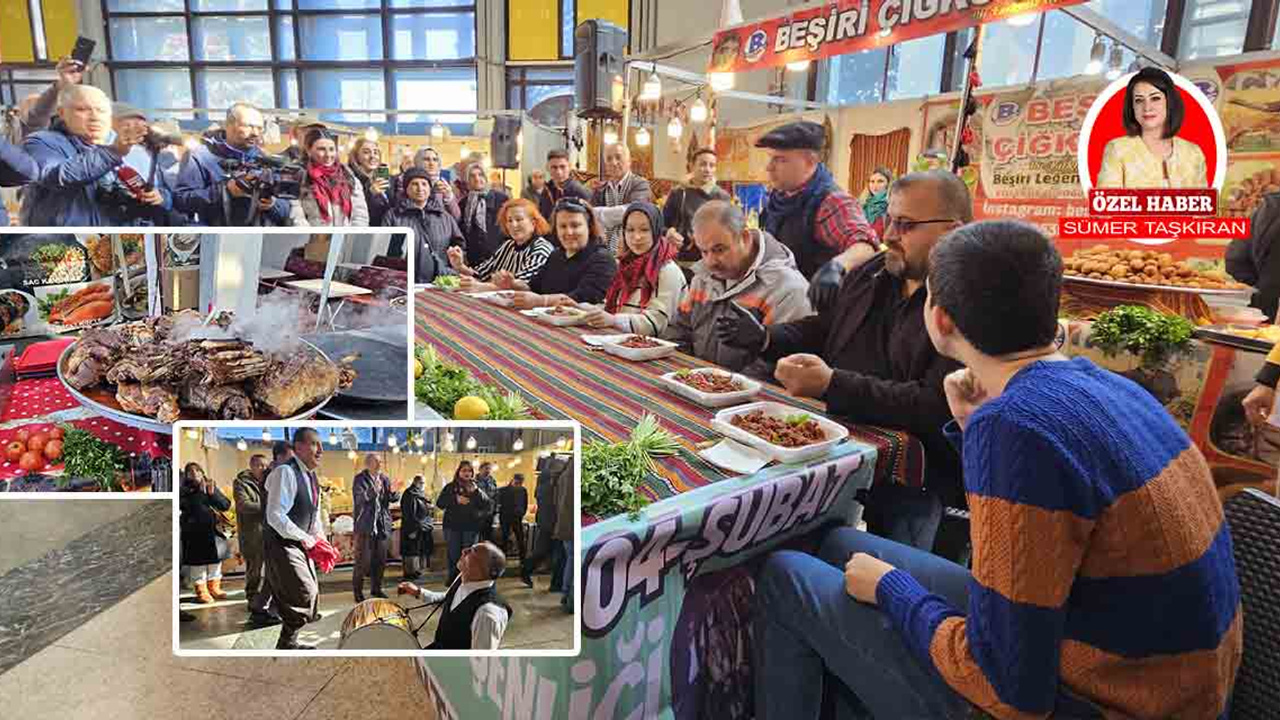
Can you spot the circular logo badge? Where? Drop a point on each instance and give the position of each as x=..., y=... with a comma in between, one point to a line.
x=1005, y=113
x=757, y=44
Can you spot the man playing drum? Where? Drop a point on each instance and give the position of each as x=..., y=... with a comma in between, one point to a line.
x=474, y=616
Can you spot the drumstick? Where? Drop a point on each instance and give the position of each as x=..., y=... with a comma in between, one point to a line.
x=438, y=606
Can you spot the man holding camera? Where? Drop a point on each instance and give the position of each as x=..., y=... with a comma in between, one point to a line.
x=77, y=163
x=142, y=194
x=205, y=189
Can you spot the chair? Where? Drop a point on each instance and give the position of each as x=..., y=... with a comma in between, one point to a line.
x=1254, y=519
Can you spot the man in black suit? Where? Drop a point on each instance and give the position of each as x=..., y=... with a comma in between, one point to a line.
x=513, y=503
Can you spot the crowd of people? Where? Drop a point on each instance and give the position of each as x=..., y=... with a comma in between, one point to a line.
x=279, y=524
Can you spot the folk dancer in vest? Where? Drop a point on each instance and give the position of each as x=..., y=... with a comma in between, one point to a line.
x=293, y=537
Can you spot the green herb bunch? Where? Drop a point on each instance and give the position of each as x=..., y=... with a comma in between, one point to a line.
x=613, y=472
x=85, y=456
x=442, y=385
x=1153, y=336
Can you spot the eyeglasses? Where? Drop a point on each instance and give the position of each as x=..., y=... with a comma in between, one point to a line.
x=905, y=226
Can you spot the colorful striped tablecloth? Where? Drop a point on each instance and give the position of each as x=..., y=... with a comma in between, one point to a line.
x=564, y=378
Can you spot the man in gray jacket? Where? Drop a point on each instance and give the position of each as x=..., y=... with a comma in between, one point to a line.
x=372, y=497
x=250, y=492
x=740, y=267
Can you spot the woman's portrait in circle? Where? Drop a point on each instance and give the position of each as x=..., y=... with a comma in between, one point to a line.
x=1150, y=154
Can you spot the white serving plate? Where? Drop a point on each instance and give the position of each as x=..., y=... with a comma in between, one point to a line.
x=598, y=341
x=543, y=314
x=614, y=347
x=713, y=400
x=836, y=433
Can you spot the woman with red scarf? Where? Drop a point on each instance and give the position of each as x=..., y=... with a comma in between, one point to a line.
x=647, y=287
x=331, y=195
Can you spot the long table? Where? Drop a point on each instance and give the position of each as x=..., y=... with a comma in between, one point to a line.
x=666, y=596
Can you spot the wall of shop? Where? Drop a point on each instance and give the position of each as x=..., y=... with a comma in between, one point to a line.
x=337, y=469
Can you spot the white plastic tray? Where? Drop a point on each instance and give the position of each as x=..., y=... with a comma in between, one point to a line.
x=750, y=388
x=664, y=349
x=835, y=432
x=543, y=314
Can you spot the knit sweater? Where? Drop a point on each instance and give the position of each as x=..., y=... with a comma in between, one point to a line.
x=1103, y=579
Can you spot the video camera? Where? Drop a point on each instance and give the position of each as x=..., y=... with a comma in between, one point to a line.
x=265, y=176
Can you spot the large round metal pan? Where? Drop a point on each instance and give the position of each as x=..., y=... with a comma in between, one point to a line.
x=103, y=401
x=382, y=375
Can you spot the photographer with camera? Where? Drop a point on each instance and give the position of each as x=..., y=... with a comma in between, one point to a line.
x=229, y=181
x=77, y=161
x=331, y=195
x=141, y=194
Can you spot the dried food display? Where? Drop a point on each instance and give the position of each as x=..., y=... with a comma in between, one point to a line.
x=1144, y=267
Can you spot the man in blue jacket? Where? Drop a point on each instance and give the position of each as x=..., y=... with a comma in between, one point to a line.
x=206, y=192
x=16, y=169
x=76, y=165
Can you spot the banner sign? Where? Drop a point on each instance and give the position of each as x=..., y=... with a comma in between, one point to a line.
x=850, y=26
x=666, y=612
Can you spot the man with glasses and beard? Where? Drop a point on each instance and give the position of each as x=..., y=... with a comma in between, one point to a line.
x=869, y=357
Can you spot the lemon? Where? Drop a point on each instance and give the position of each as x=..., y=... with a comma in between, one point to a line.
x=470, y=408
x=417, y=368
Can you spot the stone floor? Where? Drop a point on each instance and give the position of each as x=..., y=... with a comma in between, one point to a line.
x=119, y=666
x=538, y=621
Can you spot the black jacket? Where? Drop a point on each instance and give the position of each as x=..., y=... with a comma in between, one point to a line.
x=434, y=232
x=481, y=245
x=454, y=629
x=379, y=203
x=585, y=277
x=513, y=501
x=198, y=526
x=682, y=204
x=1255, y=261
x=887, y=371
x=415, y=511
x=467, y=518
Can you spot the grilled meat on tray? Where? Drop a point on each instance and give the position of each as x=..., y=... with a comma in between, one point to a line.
x=96, y=353
x=221, y=402
x=154, y=401
x=294, y=382
x=222, y=362
x=152, y=364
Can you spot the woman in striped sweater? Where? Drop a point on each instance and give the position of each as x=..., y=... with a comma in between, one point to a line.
x=648, y=285
x=523, y=254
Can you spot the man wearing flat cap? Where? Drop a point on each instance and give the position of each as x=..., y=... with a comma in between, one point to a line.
x=808, y=212
x=297, y=131
x=154, y=163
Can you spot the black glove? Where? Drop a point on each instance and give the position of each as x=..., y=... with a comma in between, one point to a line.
x=824, y=286
x=741, y=329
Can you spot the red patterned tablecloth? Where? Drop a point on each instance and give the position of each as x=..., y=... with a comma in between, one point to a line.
x=37, y=399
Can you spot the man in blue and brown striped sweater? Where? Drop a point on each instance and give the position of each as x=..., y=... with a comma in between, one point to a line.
x=1103, y=583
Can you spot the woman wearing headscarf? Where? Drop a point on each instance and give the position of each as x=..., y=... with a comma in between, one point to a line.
x=204, y=546
x=647, y=287
x=434, y=229
x=579, y=271
x=875, y=200
x=416, y=526
x=331, y=195
x=428, y=159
